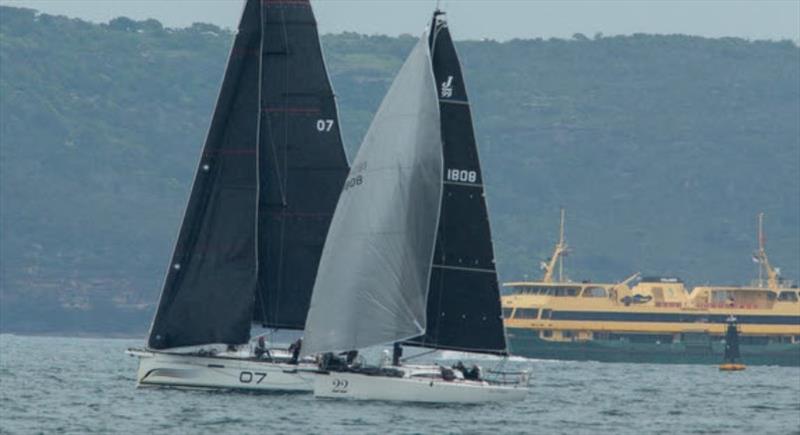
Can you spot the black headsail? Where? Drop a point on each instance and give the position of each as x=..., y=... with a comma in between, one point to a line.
x=302, y=165
x=264, y=165
x=464, y=296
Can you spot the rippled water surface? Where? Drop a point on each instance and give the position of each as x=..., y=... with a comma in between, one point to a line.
x=81, y=385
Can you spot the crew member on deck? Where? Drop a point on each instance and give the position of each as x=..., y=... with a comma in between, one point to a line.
x=397, y=353
x=261, y=348
x=294, y=348
x=351, y=357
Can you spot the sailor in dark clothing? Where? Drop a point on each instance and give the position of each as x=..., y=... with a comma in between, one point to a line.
x=261, y=348
x=447, y=374
x=473, y=374
x=331, y=362
x=325, y=360
x=397, y=353
x=351, y=357
x=294, y=348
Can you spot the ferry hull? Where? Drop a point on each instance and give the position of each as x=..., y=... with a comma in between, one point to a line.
x=345, y=385
x=527, y=343
x=193, y=371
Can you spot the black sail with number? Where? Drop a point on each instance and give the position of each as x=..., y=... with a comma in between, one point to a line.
x=302, y=165
x=268, y=180
x=463, y=297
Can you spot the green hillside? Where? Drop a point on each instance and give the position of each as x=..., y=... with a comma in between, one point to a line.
x=662, y=148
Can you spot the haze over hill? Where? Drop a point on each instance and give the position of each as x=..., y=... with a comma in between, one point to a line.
x=662, y=148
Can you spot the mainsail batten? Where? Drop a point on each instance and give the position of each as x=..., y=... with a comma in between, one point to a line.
x=268, y=179
x=464, y=297
x=372, y=282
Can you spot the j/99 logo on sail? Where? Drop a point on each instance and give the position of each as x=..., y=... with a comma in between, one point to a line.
x=462, y=175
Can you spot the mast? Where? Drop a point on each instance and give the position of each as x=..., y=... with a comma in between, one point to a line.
x=773, y=276
x=559, y=251
x=463, y=307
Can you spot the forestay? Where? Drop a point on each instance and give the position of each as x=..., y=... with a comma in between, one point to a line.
x=372, y=281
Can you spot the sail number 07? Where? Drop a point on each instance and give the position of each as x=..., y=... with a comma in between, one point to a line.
x=324, y=125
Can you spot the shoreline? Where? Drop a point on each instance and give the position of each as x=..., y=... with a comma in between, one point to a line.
x=63, y=334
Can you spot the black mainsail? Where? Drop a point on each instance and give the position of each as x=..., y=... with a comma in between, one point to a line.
x=463, y=297
x=270, y=174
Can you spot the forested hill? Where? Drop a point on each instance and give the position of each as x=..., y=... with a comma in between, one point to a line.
x=662, y=148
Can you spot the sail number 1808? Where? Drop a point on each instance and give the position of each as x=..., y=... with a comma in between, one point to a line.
x=462, y=175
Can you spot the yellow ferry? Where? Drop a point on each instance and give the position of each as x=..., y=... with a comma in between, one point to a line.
x=656, y=320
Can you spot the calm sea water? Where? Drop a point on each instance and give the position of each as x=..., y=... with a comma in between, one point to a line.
x=80, y=385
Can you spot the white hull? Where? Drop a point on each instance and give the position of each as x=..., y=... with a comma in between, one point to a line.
x=220, y=372
x=347, y=385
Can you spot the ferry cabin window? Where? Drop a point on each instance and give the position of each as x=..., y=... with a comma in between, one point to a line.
x=787, y=296
x=537, y=290
x=526, y=313
x=721, y=296
x=507, y=312
x=771, y=296
x=518, y=290
x=566, y=291
x=642, y=338
x=754, y=339
x=546, y=314
x=595, y=292
x=549, y=291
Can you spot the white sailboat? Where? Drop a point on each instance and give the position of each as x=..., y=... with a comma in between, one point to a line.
x=265, y=189
x=409, y=258
x=223, y=370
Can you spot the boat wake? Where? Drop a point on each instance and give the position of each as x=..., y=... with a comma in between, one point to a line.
x=448, y=355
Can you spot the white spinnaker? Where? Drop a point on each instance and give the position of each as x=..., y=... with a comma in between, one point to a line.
x=372, y=283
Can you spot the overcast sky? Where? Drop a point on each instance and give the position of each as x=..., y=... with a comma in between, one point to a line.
x=477, y=19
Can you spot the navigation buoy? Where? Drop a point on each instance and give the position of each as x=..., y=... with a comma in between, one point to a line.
x=732, y=357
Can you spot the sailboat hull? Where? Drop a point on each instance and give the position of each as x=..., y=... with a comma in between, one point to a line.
x=346, y=385
x=214, y=372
